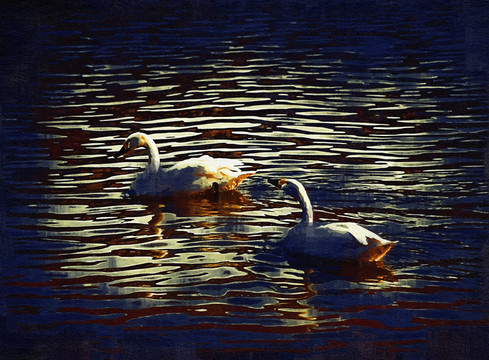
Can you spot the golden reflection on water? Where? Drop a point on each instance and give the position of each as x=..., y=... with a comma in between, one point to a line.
x=177, y=247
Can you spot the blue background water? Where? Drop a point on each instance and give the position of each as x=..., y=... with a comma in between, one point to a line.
x=379, y=108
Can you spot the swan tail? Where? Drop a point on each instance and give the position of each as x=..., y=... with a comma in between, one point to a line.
x=243, y=176
x=376, y=250
x=234, y=182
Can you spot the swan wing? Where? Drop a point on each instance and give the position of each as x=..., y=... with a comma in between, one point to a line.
x=361, y=234
x=335, y=242
x=208, y=164
x=201, y=173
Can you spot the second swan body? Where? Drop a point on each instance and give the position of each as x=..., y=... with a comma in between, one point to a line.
x=343, y=241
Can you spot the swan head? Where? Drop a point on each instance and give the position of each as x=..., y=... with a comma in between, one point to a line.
x=289, y=186
x=132, y=142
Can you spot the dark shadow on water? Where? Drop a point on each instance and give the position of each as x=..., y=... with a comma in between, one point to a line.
x=323, y=270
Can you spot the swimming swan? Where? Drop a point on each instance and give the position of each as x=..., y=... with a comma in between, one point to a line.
x=340, y=241
x=188, y=176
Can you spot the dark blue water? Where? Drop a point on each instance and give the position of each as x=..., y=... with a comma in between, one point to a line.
x=380, y=109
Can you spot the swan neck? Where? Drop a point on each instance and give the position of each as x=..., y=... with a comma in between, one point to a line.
x=307, y=214
x=154, y=156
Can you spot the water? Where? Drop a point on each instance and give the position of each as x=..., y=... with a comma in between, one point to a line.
x=379, y=109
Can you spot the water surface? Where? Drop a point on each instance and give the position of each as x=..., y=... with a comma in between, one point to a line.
x=381, y=111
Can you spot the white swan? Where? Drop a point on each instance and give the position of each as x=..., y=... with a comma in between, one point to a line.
x=192, y=175
x=340, y=241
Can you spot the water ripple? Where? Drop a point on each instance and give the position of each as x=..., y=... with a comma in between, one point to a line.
x=379, y=119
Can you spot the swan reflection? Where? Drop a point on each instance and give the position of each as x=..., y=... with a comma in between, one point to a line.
x=206, y=203
x=371, y=273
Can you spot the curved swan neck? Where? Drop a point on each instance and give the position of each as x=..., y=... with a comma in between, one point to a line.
x=154, y=156
x=301, y=195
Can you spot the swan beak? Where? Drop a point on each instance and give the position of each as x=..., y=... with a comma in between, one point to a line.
x=121, y=152
x=278, y=183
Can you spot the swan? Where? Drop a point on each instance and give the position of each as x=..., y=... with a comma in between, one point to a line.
x=341, y=241
x=192, y=175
